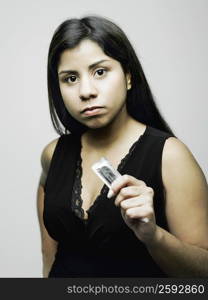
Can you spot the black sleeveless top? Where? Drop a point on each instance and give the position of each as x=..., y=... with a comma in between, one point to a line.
x=103, y=245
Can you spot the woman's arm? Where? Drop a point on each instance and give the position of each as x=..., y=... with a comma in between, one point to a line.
x=48, y=245
x=185, y=247
x=182, y=252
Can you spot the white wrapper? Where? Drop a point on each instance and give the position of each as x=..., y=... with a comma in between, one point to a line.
x=105, y=171
x=108, y=174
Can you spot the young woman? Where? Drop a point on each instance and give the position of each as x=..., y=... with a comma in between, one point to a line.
x=101, y=105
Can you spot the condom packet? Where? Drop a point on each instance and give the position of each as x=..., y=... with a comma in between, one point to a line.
x=107, y=173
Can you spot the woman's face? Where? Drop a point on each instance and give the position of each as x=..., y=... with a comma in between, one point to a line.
x=88, y=78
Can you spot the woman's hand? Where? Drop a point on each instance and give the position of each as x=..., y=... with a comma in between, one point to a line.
x=135, y=199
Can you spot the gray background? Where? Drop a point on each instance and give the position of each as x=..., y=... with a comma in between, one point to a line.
x=171, y=40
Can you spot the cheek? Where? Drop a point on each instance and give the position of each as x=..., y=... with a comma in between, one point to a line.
x=116, y=81
x=68, y=99
x=116, y=87
x=65, y=93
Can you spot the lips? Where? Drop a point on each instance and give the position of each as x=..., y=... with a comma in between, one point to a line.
x=90, y=108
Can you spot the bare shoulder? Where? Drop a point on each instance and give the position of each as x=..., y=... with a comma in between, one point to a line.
x=46, y=156
x=177, y=155
x=175, y=149
x=178, y=160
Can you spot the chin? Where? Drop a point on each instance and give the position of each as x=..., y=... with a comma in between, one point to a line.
x=95, y=126
x=96, y=123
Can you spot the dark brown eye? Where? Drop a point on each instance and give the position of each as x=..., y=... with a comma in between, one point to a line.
x=100, y=72
x=72, y=78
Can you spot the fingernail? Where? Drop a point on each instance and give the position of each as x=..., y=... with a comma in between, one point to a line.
x=110, y=193
x=145, y=220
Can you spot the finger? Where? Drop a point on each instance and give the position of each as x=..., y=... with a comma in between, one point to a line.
x=129, y=192
x=125, y=180
x=141, y=191
x=139, y=212
x=134, y=202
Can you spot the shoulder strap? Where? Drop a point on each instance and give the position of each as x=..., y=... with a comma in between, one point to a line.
x=62, y=159
x=146, y=165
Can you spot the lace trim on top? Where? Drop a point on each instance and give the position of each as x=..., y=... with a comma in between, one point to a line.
x=76, y=200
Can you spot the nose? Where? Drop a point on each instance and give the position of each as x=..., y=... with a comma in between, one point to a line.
x=87, y=89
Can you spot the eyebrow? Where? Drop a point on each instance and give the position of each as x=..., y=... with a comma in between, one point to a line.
x=90, y=67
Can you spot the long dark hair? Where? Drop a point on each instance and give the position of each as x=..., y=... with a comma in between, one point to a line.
x=114, y=43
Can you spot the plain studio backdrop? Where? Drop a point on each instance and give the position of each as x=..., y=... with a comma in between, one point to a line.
x=171, y=41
